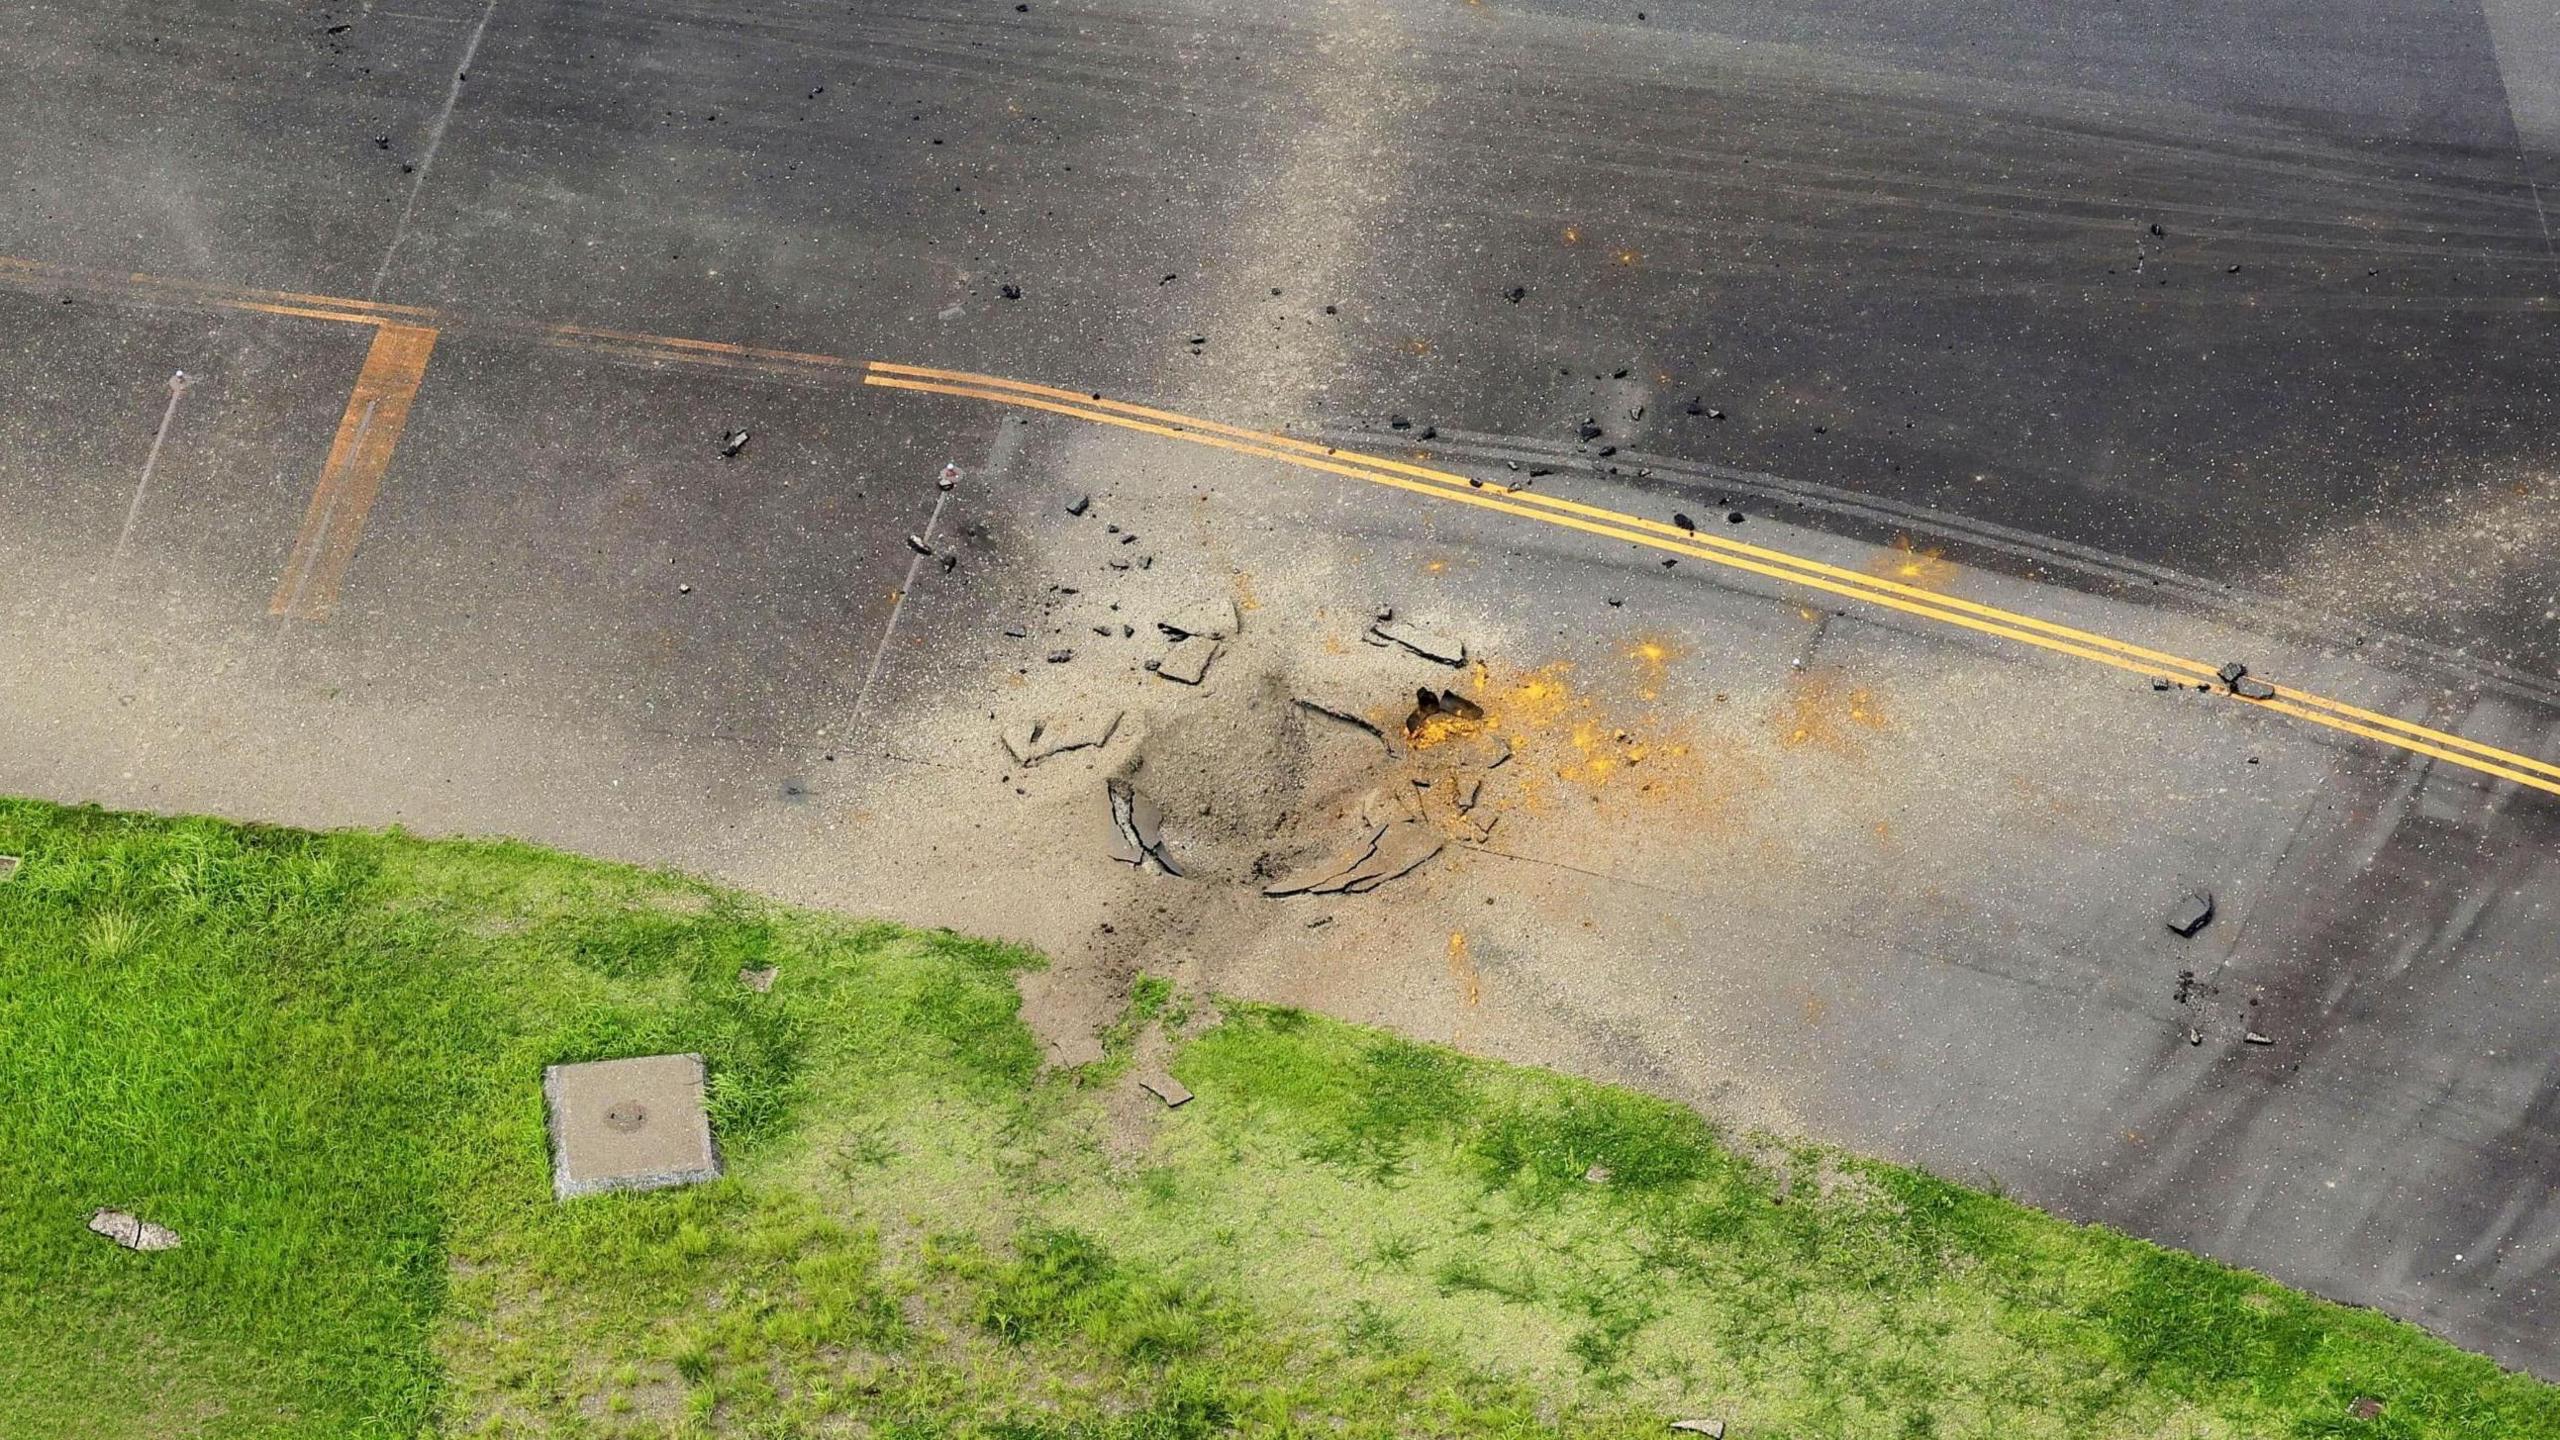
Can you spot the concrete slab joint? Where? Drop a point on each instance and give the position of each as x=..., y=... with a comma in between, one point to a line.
x=635, y=1124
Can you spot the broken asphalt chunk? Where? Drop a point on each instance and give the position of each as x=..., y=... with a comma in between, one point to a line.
x=1429, y=644
x=132, y=1231
x=1165, y=1088
x=1429, y=703
x=1033, y=741
x=2254, y=1038
x=916, y=543
x=1211, y=619
x=1079, y=505
x=1137, y=825
x=2191, y=913
x=2251, y=688
x=731, y=442
x=1393, y=850
x=1187, y=660
x=1342, y=713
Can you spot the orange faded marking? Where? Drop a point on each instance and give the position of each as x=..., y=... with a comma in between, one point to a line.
x=333, y=524
x=1463, y=970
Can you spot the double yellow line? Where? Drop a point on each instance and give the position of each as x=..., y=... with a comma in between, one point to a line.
x=1715, y=549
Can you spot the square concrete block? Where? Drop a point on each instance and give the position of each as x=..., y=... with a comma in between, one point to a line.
x=633, y=1124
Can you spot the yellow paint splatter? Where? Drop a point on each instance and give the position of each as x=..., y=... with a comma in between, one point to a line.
x=1245, y=598
x=1906, y=562
x=1821, y=713
x=1652, y=655
x=1573, y=234
x=1627, y=257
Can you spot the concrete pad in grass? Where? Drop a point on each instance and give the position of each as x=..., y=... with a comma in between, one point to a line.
x=635, y=1124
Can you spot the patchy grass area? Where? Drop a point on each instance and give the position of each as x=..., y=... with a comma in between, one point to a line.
x=318, y=1059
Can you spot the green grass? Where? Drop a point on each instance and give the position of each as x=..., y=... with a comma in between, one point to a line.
x=318, y=1058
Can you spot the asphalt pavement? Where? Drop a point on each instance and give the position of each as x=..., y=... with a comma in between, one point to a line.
x=2227, y=331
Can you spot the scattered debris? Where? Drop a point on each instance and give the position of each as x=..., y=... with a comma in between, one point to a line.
x=2364, y=1407
x=2190, y=913
x=1079, y=505
x=1138, y=829
x=1470, y=791
x=916, y=543
x=2194, y=1036
x=1319, y=922
x=9, y=866
x=2158, y=683
x=1711, y=1428
x=1186, y=661
x=2254, y=1038
x=1209, y=619
x=1598, y=1175
x=731, y=442
x=1016, y=632
x=1430, y=704
x=949, y=477
x=1429, y=644
x=2235, y=676
x=1038, y=739
x=1684, y=522
x=760, y=981
x=132, y=1231
x=1516, y=294
x=1393, y=850
x=1010, y=292
x=1061, y=657
x=1165, y=1088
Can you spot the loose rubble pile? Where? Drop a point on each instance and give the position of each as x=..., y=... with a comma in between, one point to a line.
x=1329, y=818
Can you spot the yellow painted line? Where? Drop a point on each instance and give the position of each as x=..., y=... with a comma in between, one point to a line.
x=1753, y=559
x=367, y=433
x=2198, y=669
x=574, y=333
x=1687, y=538
x=362, y=453
x=28, y=274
